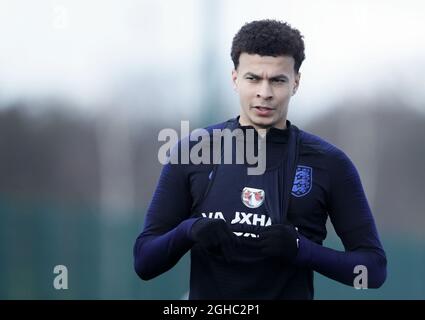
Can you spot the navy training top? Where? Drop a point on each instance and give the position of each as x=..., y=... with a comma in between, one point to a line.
x=326, y=184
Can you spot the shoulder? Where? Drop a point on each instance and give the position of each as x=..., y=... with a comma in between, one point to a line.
x=199, y=139
x=313, y=144
x=205, y=134
x=218, y=126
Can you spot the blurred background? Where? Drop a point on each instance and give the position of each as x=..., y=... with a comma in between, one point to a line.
x=86, y=86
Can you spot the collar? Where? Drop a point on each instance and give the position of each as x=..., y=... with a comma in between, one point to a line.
x=274, y=135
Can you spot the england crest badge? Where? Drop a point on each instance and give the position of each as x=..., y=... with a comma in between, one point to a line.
x=303, y=181
x=252, y=198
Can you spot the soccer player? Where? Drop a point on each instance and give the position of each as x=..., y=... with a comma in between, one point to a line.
x=260, y=236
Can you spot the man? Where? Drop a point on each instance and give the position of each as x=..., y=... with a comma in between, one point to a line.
x=260, y=236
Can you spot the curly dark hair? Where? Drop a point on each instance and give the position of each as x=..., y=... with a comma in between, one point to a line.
x=268, y=38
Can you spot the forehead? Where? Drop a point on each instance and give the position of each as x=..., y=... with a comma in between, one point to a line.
x=265, y=64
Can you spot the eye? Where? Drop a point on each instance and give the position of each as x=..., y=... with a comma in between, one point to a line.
x=250, y=78
x=279, y=80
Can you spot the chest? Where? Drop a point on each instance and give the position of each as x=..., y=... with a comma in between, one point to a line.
x=233, y=195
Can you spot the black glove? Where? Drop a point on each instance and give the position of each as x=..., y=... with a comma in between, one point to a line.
x=277, y=240
x=215, y=236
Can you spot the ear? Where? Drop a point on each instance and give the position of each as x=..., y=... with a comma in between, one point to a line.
x=296, y=83
x=235, y=79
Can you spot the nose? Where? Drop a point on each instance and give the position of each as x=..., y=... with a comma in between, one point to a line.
x=265, y=91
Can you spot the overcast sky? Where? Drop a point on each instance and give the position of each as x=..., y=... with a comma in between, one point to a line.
x=83, y=49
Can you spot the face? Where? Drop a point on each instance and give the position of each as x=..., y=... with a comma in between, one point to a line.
x=265, y=85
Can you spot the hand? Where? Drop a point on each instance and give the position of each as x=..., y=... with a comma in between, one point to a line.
x=278, y=240
x=215, y=236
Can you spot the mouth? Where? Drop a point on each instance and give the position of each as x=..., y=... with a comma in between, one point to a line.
x=263, y=110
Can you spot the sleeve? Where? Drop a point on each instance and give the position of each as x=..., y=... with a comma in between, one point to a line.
x=165, y=237
x=352, y=219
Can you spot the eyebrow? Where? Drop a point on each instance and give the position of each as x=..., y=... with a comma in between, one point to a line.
x=255, y=76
